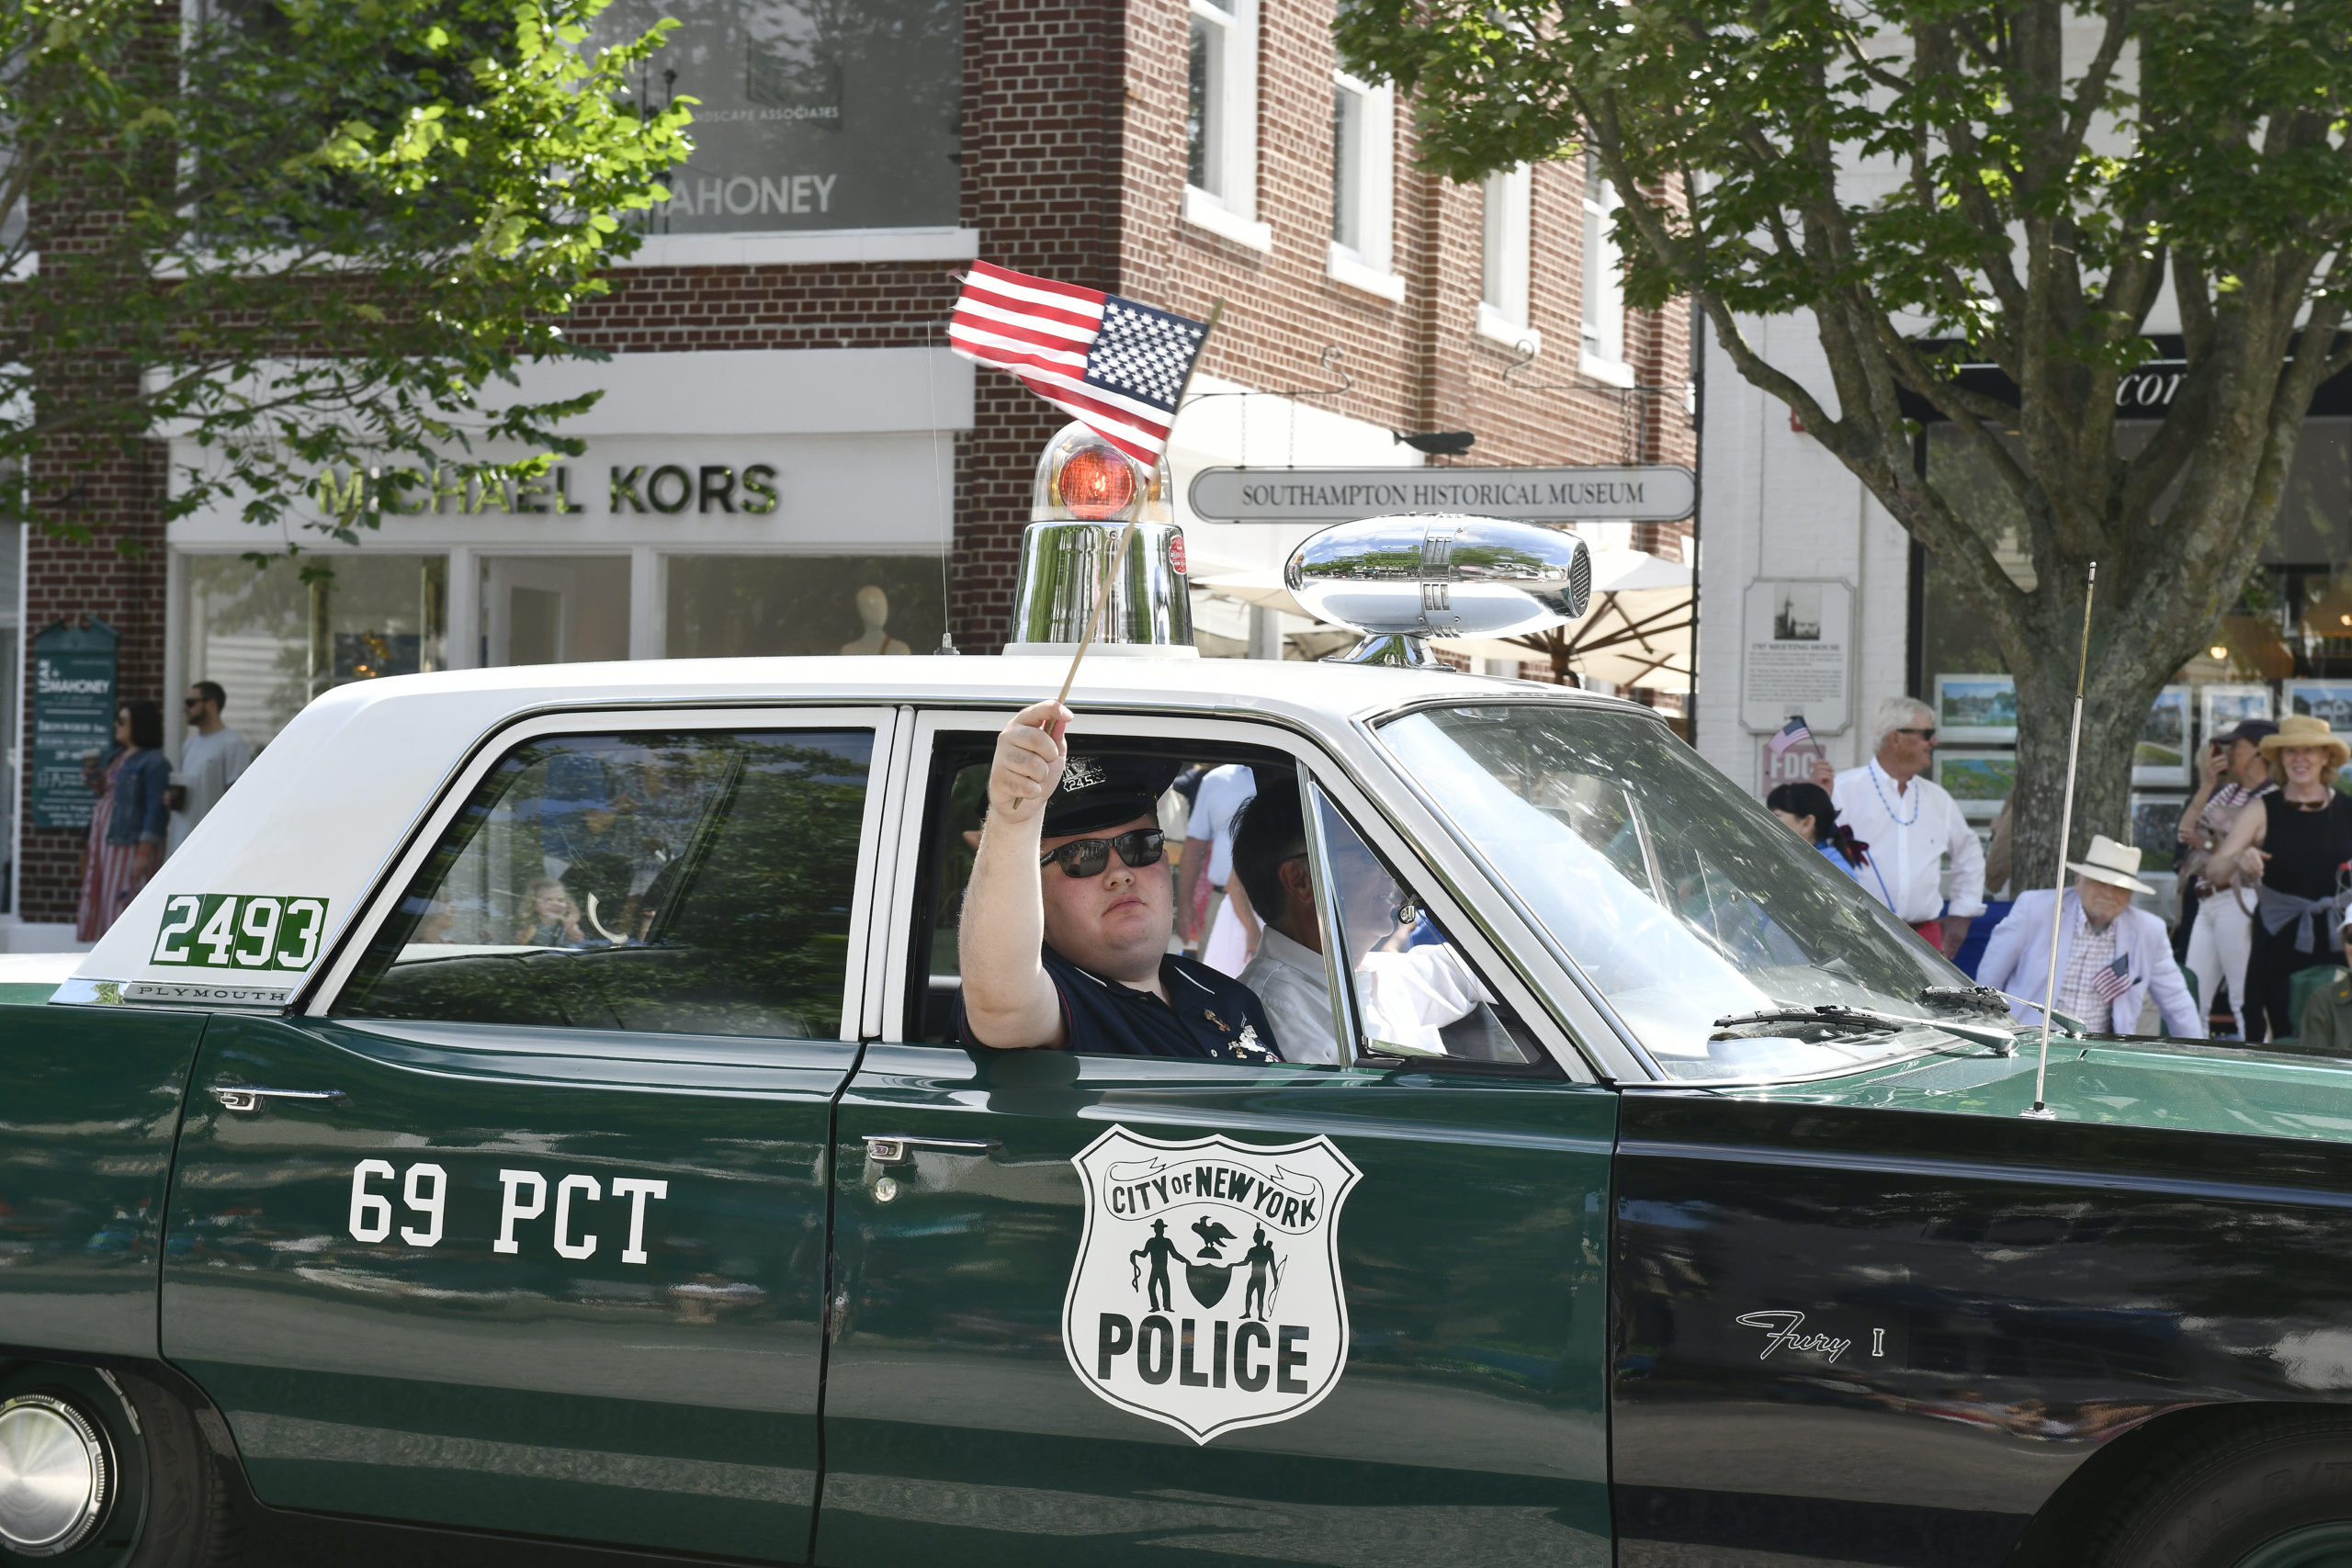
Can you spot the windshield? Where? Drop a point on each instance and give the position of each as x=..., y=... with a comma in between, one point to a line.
x=1682, y=900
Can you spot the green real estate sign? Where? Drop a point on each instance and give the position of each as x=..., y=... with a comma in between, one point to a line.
x=73, y=671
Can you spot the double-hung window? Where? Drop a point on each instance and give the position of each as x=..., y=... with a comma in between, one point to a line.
x=1603, y=353
x=1363, y=185
x=1506, y=259
x=1221, y=123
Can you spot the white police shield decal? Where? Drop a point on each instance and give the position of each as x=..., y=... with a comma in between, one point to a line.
x=1206, y=1293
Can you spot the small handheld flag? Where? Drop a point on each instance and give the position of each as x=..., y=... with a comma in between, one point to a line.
x=1117, y=366
x=2114, y=979
x=1792, y=733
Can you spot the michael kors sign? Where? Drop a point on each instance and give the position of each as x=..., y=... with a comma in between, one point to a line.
x=1650, y=492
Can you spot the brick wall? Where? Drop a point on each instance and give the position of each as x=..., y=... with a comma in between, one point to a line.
x=1418, y=363
x=120, y=502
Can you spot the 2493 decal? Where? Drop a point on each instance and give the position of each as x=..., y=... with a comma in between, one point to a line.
x=239, y=931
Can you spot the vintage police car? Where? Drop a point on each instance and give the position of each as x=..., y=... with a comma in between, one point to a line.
x=518, y=1127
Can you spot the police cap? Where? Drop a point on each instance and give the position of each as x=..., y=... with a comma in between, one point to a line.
x=1097, y=792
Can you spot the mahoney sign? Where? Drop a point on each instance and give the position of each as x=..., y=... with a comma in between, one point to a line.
x=1206, y=1293
x=449, y=488
x=1643, y=492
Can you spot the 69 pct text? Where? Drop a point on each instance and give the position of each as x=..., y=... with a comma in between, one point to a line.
x=424, y=1192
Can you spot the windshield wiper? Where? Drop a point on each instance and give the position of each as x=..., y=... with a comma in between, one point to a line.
x=2003, y=1042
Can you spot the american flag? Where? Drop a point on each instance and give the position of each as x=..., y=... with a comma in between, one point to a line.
x=1790, y=734
x=2113, y=979
x=1116, y=365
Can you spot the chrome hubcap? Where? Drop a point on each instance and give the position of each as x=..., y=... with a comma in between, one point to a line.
x=56, y=1475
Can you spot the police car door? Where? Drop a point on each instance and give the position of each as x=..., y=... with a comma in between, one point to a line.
x=521, y=1225
x=1193, y=1310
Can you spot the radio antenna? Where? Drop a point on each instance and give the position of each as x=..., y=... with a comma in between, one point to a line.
x=1128, y=535
x=2041, y=1111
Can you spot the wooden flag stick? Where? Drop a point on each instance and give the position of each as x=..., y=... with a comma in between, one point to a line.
x=1128, y=535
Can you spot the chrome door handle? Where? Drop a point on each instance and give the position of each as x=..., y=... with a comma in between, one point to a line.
x=897, y=1149
x=248, y=1098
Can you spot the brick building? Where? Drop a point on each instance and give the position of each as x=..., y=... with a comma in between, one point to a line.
x=783, y=427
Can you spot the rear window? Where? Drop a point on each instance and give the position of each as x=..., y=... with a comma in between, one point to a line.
x=693, y=883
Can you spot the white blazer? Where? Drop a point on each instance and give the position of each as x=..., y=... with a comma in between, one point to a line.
x=2017, y=960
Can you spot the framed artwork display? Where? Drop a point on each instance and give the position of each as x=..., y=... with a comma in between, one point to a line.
x=1977, y=781
x=2155, y=829
x=2329, y=699
x=1976, y=708
x=2221, y=708
x=2164, y=755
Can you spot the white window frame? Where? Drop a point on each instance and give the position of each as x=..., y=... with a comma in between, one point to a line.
x=1601, y=353
x=1228, y=206
x=1506, y=258
x=1369, y=171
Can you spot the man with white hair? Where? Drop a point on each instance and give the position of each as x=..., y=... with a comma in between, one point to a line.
x=1910, y=825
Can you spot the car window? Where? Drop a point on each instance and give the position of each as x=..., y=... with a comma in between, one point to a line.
x=1415, y=995
x=695, y=882
x=956, y=804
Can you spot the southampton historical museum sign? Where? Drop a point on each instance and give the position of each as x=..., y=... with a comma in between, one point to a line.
x=1649, y=492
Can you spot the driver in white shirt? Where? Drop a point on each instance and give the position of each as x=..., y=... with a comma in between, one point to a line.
x=1406, y=995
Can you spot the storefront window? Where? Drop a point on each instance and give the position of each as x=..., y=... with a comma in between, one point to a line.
x=554, y=609
x=810, y=115
x=729, y=607
x=274, y=642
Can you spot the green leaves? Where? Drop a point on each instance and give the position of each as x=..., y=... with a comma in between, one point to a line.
x=307, y=230
x=1946, y=182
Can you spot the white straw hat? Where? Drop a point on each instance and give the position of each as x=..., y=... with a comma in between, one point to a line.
x=2116, y=865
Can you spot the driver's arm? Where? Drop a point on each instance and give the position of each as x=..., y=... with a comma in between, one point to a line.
x=1009, y=1001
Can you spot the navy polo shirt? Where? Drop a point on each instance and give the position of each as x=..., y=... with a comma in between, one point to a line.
x=1208, y=1014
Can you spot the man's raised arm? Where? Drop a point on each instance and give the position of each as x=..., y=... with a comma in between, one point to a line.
x=1009, y=1002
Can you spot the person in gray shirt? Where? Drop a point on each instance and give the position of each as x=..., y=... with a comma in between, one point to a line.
x=212, y=758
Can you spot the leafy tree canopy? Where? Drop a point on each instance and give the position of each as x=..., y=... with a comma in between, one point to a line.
x=301, y=232
x=1942, y=181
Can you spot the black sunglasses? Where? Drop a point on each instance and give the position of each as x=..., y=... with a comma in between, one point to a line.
x=1927, y=734
x=1089, y=857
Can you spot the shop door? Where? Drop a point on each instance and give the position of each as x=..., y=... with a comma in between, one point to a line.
x=523, y=1228
x=554, y=609
x=1370, y=1326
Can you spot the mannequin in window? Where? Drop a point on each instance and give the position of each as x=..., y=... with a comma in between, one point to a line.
x=874, y=609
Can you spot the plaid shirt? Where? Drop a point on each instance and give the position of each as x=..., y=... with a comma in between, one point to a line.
x=2093, y=951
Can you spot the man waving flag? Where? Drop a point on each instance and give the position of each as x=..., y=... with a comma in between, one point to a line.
x=1116, y=365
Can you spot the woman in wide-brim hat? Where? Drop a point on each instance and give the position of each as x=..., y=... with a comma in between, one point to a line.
x=2292, y=849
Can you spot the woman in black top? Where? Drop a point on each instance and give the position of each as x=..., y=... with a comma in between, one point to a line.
x=2296, y=845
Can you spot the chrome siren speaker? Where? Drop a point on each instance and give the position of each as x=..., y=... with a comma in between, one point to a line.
x=1087, y=490
x=1401, y=580
x=57, y=1476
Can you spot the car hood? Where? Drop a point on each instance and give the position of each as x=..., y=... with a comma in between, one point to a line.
x=2137, y=1083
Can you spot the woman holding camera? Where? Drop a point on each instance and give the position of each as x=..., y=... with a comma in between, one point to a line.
x=2220, y=934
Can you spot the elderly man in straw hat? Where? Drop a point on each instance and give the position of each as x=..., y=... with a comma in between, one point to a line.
x=2296, y=847
x=2110, y=955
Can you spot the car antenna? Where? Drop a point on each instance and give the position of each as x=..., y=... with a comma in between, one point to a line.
x=1128, y=535
x=2040, y=1110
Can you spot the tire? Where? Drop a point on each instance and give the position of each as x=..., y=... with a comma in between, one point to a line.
x=2276, y=1495
x=170, y=1506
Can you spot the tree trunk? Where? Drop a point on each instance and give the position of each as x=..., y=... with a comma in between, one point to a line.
x=2123, y=687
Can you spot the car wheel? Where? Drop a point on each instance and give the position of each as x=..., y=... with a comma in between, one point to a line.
x=106, y=1470
x=2273, y=1495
